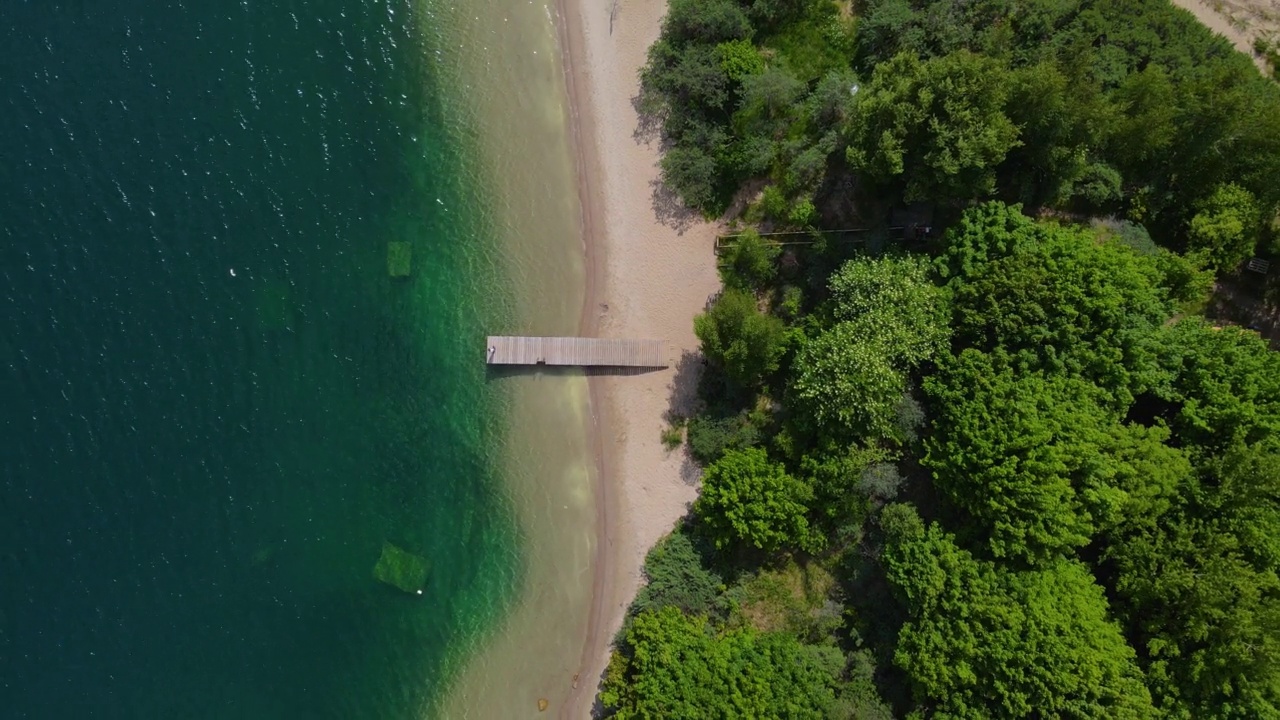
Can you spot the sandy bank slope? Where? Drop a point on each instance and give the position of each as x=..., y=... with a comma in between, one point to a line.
x=1239, y=21
x=648, y=277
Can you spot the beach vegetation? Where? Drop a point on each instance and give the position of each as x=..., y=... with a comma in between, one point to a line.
x=1087, y=106
x=693, y=170
x=673, y=433
x=1064, y=498
x=987, y=458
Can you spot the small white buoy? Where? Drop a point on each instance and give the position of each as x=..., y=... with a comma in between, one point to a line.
x=419, y=592
x=233, y=272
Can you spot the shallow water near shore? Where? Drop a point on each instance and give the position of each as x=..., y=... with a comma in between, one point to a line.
x=219, y=403
x=521, y=110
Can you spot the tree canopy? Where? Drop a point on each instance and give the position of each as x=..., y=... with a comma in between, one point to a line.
x=1225, y=226
x=749, y=499
x=739, y=338
x=1002, y=470
x=678, y=668
x=985, y=642
x=1066, y=305
x=890, y=318
x=1024, y=454
x=1199, y=587
x=936, y=127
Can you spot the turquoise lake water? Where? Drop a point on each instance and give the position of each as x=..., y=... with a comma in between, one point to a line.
x=215, y=404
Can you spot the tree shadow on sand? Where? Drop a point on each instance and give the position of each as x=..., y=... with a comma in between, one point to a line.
x=667, y=205
x=670, y=209
x=683, y=403
x=648, y=125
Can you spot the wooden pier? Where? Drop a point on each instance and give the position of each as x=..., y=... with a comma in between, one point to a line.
x=580, y=351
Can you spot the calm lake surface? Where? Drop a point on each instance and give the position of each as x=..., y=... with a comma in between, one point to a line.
x=216, y=404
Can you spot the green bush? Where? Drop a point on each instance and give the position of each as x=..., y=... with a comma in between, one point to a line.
x=803, y=214
x=673, y=435
x=791, y=303
x=751, y=264
x=709, y=438
x=691, y=172
x=705, y=21
x=1187, y=280
x=740, y=59
x=1269, y=49
x=739, y=339
x=858, y=699
x=1135, y=236
x=1225, y=228
x=678, y=578
x=676, y=666
x=774, y=204
x=910, y=417
x=1098, y=186
x=840, y=502
x=881, y=481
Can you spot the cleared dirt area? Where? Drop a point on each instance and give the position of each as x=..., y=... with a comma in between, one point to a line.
x=1248, y=300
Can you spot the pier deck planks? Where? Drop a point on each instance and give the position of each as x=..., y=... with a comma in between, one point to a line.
x=584, y=352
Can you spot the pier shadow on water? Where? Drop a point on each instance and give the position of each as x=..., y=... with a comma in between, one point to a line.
x=500, y=372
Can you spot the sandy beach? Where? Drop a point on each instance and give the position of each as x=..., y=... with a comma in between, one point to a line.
x=649, y=272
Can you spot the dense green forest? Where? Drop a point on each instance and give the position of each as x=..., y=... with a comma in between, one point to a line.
x=991, y=461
